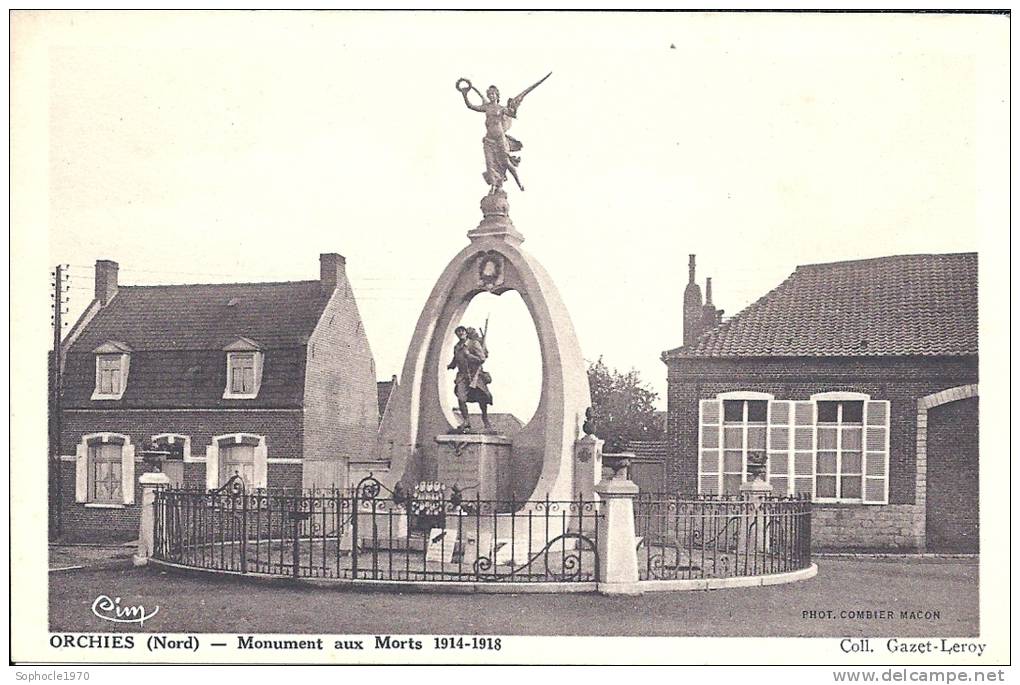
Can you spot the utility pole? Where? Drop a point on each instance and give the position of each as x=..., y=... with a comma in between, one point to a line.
x=60, y=299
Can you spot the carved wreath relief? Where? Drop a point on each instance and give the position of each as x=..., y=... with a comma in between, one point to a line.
x=490, y=270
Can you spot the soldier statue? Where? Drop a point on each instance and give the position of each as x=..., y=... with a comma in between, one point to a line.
x=472, y=381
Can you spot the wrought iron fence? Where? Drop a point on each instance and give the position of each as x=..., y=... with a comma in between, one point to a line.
x=698, y=537
x=370, y=532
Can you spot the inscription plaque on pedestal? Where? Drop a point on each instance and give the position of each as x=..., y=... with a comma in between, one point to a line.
x=480, y=465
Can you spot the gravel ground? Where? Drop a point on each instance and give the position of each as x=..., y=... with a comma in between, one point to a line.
x=944, y=592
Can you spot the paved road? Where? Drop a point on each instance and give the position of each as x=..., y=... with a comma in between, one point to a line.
x=201, y=604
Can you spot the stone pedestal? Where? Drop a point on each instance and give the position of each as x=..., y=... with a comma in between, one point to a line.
x=753, y=536
x=587, y=466
x=496, y=219
x=587, y=474
x=382, y=526
x=476, y=464
x=147, y=520
x=618, y=565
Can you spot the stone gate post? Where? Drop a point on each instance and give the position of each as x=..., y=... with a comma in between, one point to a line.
x=147, y=521
x=617, y=543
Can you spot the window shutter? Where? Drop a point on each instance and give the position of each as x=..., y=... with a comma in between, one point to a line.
x=127, y=472
x=212, y=467
x=779, y=468
x=876, y=452
x=710, y=447
x=261, y=466
x=803, y=448
x=259, y=359
x=81, y=473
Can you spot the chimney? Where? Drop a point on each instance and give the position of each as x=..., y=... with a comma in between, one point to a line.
x=106, y=280
x=690, y=269
x=692, y=307
x=711, y=317
x=331, y=271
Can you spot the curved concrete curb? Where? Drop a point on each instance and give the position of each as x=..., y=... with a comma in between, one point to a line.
x=499, y=588
x=722, y=583
x=448, y=587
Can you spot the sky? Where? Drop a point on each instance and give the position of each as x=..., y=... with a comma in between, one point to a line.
x=221, y=147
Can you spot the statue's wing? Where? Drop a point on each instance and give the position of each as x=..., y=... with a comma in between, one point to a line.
x=515, y=101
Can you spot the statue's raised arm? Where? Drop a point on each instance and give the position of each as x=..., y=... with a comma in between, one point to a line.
x=515, y=102
x=465, y=87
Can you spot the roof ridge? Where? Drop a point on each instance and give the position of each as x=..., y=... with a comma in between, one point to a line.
x=891, y=313
x=887, y=258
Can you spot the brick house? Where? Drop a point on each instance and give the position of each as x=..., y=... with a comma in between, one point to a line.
x=273, y=381
x=859, y=380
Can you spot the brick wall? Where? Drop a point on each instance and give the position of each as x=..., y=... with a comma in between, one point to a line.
x=900, y=380
x=282, y=428
x=341, y=401
x=81, y=523
x=952, y=514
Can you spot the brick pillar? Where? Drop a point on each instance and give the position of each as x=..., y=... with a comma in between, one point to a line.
x=147, y=521
x=617, y=543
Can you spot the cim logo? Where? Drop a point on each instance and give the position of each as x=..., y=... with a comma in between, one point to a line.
x=111, y=610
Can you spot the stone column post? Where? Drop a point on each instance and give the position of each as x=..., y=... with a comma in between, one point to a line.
x=146, y=526
x=617, y=543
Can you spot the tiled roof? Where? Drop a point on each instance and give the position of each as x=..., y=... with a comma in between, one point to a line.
x=177, y=334
x=649, y=449
x=890, y=306
x=206, y=317
x=383, y=391
x=503, y=423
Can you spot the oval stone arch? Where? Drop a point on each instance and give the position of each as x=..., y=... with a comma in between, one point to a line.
x=542, y=453
x=515, y=358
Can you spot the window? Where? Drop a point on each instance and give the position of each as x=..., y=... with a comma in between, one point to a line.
x=838, y=462
x=105, y=477
x=743, y=432
x=833, y=447
x=239, y=460
x=105, y=470
x=244, y=370
x=733, y=428
x=109, y=374
x=177, y=448
x=112, y=363
x=242, y=373
x=240, y=453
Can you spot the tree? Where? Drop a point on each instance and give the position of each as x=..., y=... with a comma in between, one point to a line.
x=623, y=406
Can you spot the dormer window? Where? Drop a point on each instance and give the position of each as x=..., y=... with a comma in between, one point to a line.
x=112, y=364
x=244, y=370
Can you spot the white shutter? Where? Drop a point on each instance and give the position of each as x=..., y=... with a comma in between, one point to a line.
x=710, y=447
x=257, y=373
x=127, y=472
x=802, y=439
x=875, y=488
x=779, y=470
x=81, y=473
x=212, y=467
x=261, y=466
